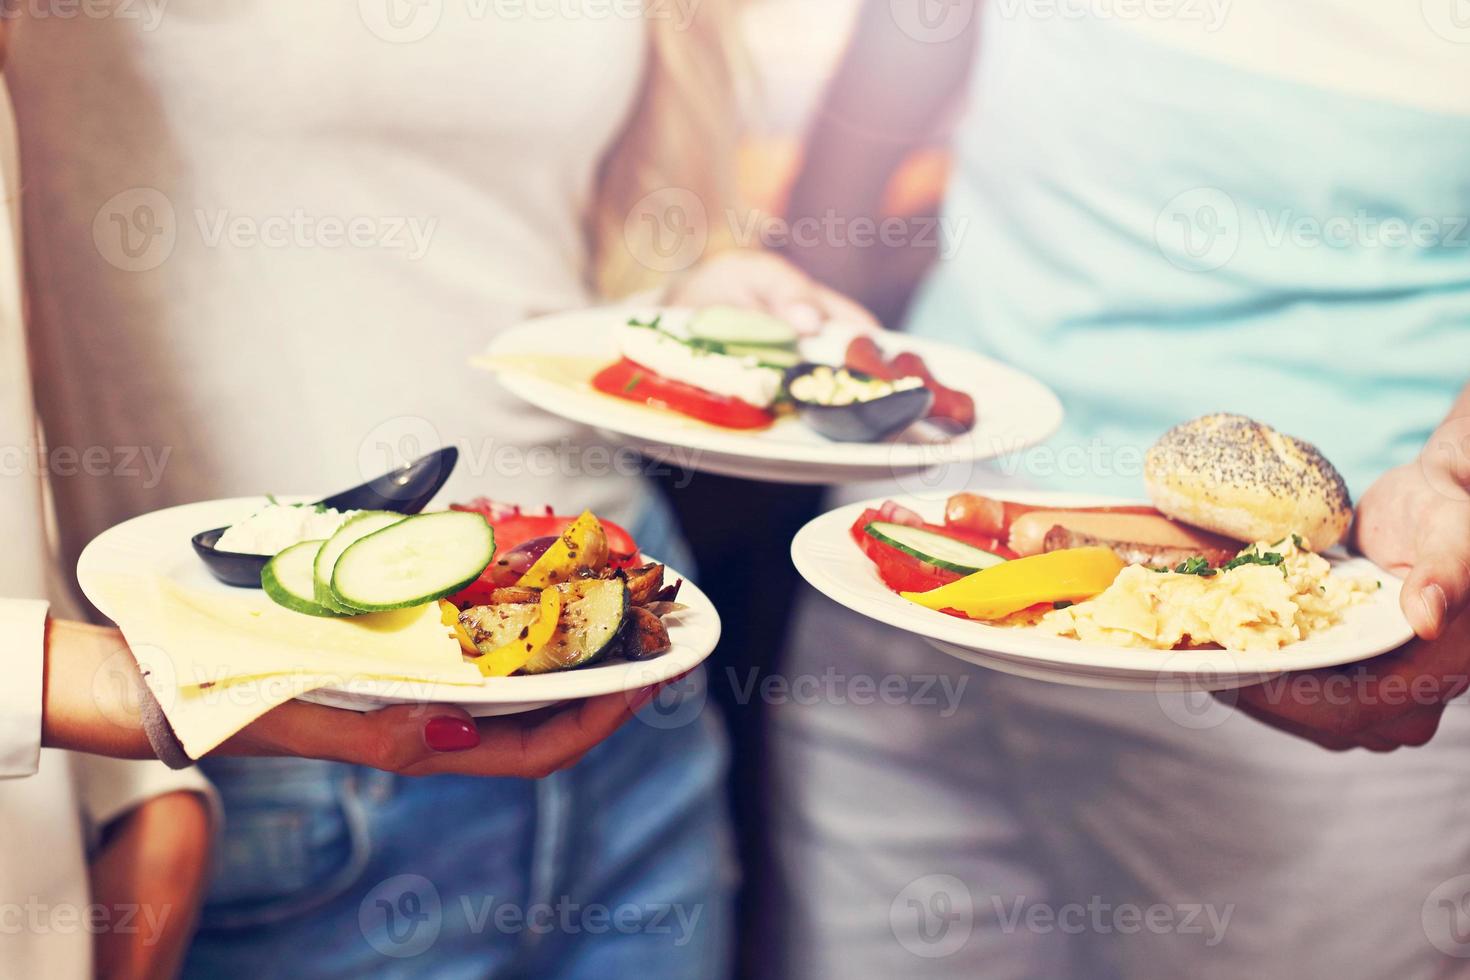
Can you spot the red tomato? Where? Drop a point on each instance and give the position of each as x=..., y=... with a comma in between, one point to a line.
x=514, y=527
x=901, y=571
x=636, y=383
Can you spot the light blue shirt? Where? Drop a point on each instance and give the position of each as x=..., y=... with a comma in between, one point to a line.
x=1158, y=235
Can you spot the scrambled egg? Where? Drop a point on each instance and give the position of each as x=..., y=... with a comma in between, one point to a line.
x=1250, y=607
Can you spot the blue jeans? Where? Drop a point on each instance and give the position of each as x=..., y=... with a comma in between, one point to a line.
x=620, y=866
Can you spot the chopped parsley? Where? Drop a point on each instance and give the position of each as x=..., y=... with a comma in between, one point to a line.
x=1253, y=557
x=650, y=325
x=1198, y=565
x=633, y=382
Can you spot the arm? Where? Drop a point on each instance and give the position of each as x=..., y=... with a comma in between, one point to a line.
x=889, y=97
x=1415, y=522
x=93, y=694
x=154, y=859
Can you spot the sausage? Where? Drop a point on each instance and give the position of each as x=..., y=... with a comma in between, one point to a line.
x=1156, y=556
x=993, y=518
x=1028, y=532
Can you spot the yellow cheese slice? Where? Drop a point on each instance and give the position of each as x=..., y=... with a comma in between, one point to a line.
x=217, y=662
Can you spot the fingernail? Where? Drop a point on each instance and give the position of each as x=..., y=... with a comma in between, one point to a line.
x=643, y=697
x=450, y=734
x=1435, y=604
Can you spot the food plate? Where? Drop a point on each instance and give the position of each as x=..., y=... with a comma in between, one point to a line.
x=828, y=559
x=531, y=360
x=159, y=544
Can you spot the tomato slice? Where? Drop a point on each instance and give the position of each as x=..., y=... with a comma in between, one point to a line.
x=899, y=570
x=631, y=381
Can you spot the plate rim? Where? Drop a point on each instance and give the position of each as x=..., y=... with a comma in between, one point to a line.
x=615, y=678
x=830, y=456
x=1060, y=652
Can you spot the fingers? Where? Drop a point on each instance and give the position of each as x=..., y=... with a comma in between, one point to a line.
x=537, y=744
x=1438, y=588
x=837, y=308
x=394, y=739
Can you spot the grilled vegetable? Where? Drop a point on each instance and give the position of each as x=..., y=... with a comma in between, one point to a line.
x=592, y=612
x=644, y=582
x=644, y=635
x=528, y=643
x=582, y=547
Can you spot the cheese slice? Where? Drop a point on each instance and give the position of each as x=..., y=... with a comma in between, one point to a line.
x=217, y=662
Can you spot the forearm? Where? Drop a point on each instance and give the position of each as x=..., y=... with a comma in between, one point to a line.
x=92, y=692
x=886, y=100
x=154, y=862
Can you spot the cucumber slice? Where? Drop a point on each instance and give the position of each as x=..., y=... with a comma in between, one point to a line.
x=355, y=529
x=417, y=560
x=776, y=357
x=938, y=550
x=731, y=325
x=286, y=578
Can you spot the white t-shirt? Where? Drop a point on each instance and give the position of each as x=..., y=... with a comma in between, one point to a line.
x=265, y=239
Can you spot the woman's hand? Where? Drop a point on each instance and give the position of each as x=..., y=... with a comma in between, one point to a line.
x=766, y=282
x=93, y=695
x=1415, y=522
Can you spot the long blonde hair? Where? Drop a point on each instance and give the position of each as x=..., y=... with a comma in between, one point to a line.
x=669, y=177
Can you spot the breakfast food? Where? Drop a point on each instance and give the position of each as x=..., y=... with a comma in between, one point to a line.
x=736, y=369
x=1270, y=595
x=1132, y=575
x=1236, y=477
x=564, y=592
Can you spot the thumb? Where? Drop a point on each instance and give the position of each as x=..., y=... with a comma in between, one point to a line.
x=1438, y=587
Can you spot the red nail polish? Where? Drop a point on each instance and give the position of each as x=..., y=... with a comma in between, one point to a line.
x=449, y=734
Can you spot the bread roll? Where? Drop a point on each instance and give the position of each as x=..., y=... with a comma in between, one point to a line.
x=1234, y=476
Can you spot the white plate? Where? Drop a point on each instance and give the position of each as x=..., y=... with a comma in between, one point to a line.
x=833, y=564
x=158, y=543
x=1014, y=409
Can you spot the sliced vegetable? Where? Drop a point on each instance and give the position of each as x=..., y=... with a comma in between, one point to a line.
x=644, y=635
x=582, y=547
x=355, y=529
x=629, y=381
x=733, y=325
x=933, y=548
x=515, y=653
x=592, y=612
x=776, y=357
x=996, y=592
x=286, y=578
x=449, y=616
x=417, y=560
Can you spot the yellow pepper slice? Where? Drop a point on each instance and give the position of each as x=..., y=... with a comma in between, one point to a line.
x=1057, y=576
x=511, y=657
x=449, y=616
x=581, y=547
